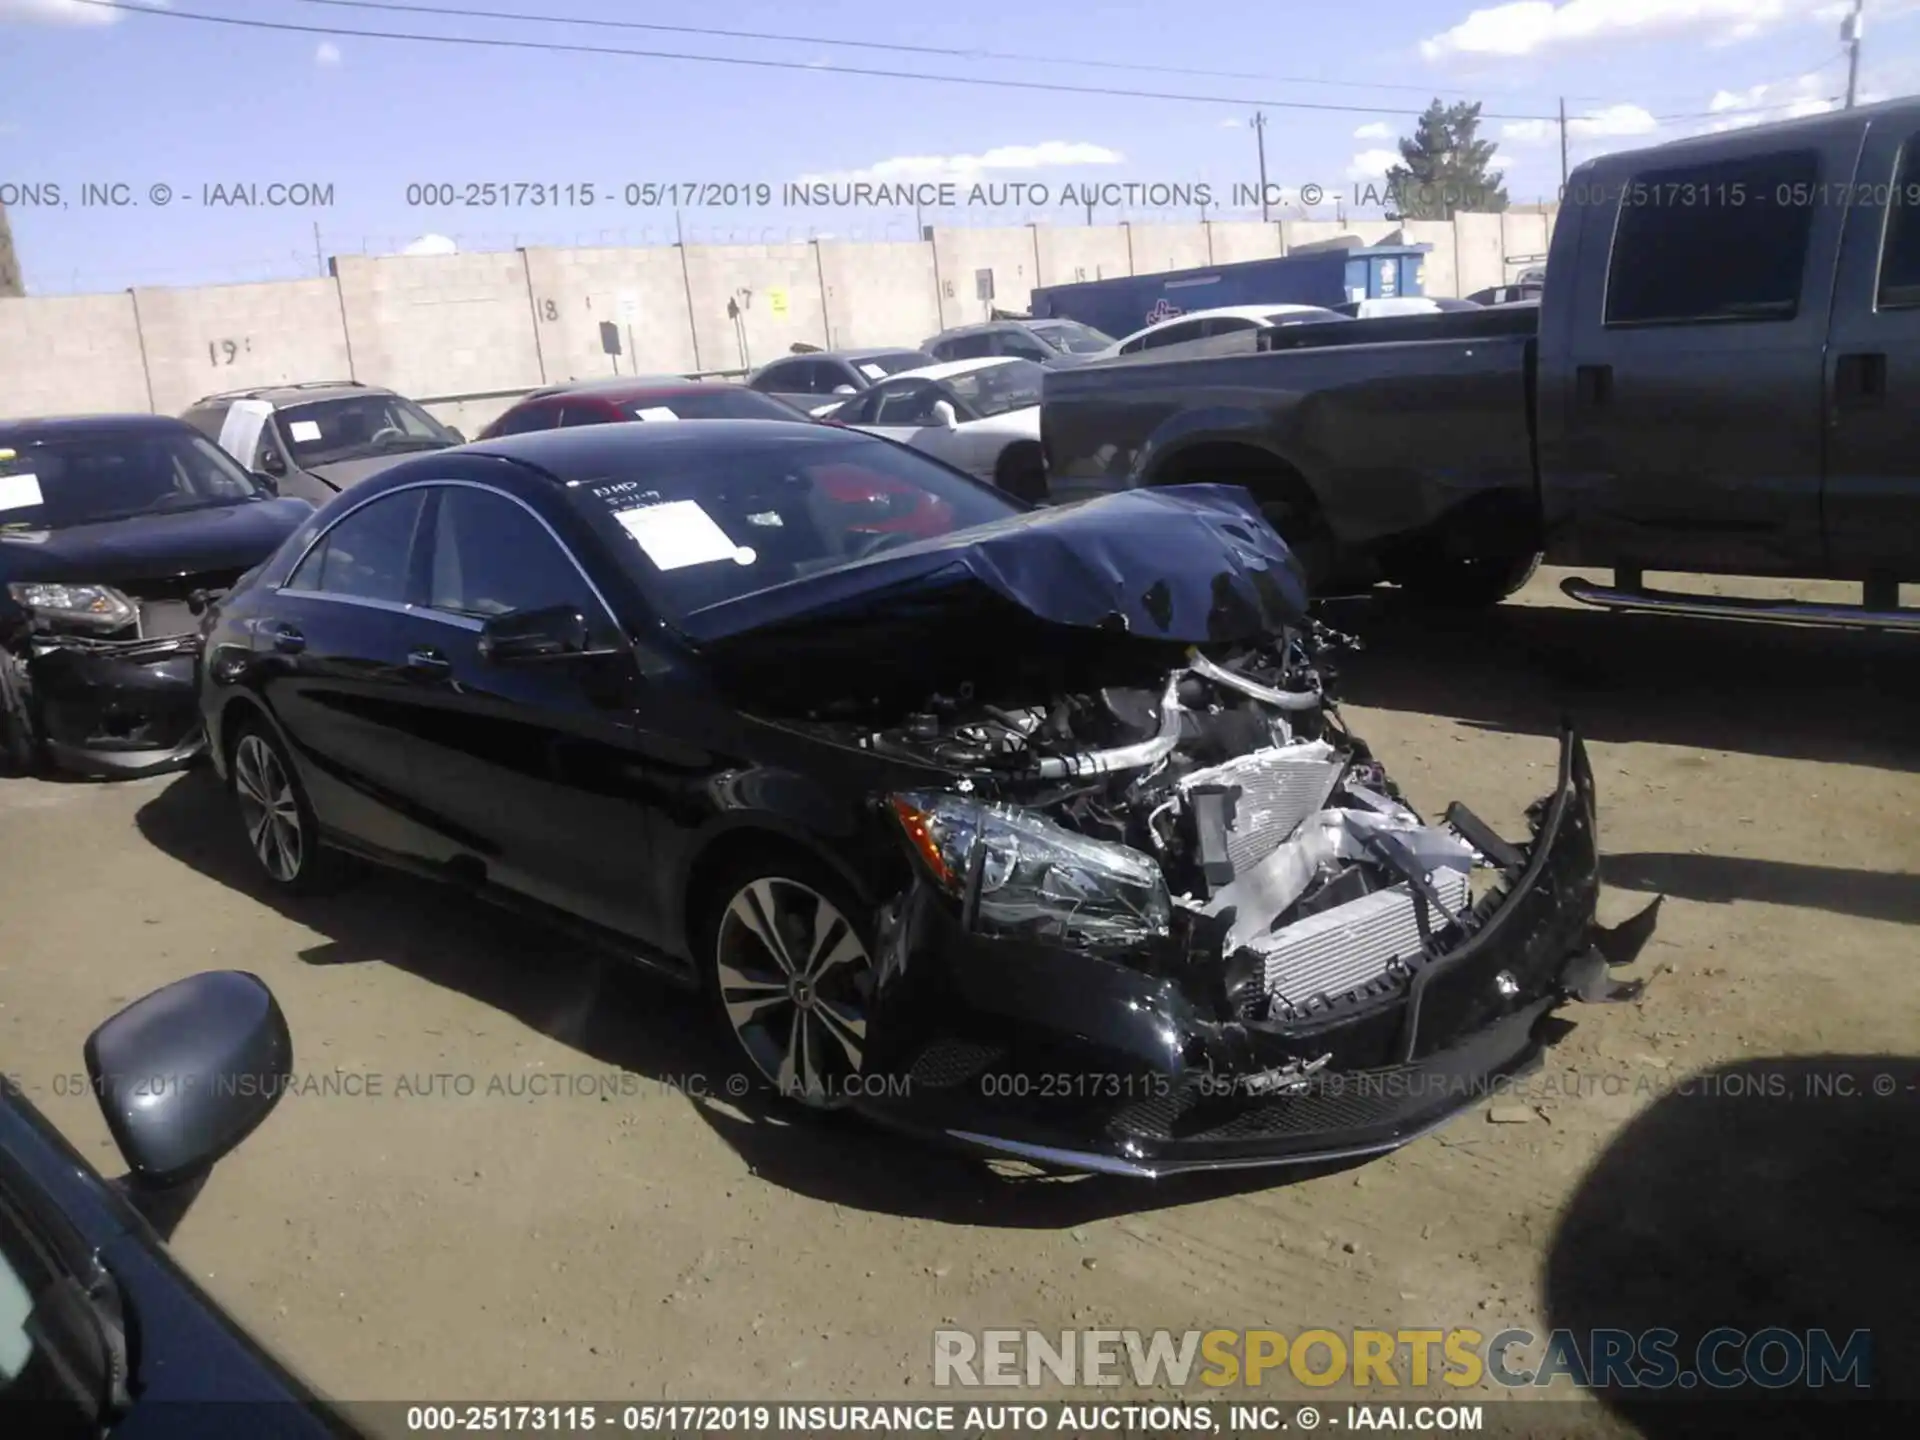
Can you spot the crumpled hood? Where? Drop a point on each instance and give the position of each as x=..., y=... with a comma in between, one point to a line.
x=1191, y=564
x=150, y=547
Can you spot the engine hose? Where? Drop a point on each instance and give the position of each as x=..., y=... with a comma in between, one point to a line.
x=1124, y=757
x=1279, y=699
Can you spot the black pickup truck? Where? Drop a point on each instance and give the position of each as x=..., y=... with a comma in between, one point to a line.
x=1722, y=376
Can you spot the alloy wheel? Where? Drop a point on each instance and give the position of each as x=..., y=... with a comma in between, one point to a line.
x=269, y=809
x=795, y=980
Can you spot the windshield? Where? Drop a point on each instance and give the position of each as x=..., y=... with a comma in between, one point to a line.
x=996, y=389
x=83, y=479
x=892, y=363
x=1072, y=338
x=739, y=403
x=357, y=427
x=702, y=525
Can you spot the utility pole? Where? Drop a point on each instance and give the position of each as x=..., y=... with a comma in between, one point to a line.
x=1259, y=123
x=1850, y=35
x=1563, y=144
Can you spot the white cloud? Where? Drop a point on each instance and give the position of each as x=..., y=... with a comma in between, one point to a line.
x=1230, y=124
x=1605, y=124
x=56, y=12
x=1048, y=155
x=326, y=53
x=1809, y=94
x=1372, y=164
x=1527, y=27
x=1378, y=130
x=431, y=245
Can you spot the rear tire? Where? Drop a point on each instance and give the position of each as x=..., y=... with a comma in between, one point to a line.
x=1468, y=584
x=276, y=818
x=786, y=960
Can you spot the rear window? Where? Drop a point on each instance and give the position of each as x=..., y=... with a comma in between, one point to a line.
x=1715, y=242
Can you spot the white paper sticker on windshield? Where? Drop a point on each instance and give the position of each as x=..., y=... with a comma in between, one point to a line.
x=873, y=372
x=17, y=492
x=655, y=412
x=304, y=430
x=679, y=533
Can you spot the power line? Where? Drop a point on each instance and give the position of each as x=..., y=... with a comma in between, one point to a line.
x=561, y=47
x=947, y=51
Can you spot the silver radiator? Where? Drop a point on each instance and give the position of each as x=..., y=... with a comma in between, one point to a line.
x=1279, y=788
x=1345, y=947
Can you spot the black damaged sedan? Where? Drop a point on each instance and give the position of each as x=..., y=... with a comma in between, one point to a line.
x=1027, y=830
x=113, y=529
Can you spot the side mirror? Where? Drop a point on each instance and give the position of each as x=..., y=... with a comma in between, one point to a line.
x=551, y=633
x=944, y=415
x=845, y=390
x=272, y=462
x=186, y=1074
x=459, y=435
x=270, y=482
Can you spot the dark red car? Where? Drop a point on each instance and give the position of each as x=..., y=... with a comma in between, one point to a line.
x=663, y=398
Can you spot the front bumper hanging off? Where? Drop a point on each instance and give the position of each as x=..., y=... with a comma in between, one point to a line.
x=1080, y=1062
x=106, y=708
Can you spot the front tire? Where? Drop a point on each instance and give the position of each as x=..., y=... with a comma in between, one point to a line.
x=276, y=818
x=788, y=963
x=1469, y=584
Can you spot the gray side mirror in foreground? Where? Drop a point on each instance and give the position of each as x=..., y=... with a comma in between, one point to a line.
x=187, y=1073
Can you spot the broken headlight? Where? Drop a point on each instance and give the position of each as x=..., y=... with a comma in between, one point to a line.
x=97, y=607
x=1034, y=878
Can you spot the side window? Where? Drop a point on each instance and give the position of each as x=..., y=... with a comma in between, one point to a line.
x=1900, y=251
x=368, y=554
x=490, y=557
x=577, y=414
x=525, y=419
x=790, y=378
x=1227, y=324
x=860, y=411
x=1027, y=347
x=207, y=419
x=968, y=347
x=910, y=404
x=1713, y=242
x=1173, y=334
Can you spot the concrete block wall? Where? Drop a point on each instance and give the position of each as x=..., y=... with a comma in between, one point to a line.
x=227, y=337
x=468, y=333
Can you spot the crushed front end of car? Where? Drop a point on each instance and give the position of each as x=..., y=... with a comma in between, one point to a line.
x=1196, y=927
x=100, y=680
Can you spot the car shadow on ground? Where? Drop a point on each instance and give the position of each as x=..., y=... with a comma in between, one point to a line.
x=1722, y=879
x=617, y=1015
x=1767, y=1193
x=1788, y=691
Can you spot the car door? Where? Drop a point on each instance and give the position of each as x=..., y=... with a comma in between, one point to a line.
x=1872, y=485
x=332, y=647
x=534, y=763
x=903, y=411
x=1692, y=435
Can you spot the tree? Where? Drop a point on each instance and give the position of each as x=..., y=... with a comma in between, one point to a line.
x=1444, y=167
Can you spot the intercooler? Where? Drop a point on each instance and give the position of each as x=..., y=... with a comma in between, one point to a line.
x=1349, y=945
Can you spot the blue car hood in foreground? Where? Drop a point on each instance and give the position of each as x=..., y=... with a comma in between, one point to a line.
x=1190, y=564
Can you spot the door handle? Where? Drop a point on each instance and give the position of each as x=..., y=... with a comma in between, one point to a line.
x=1593, y=384
x=287, y=640
x=429, y=663
x=1860, y=380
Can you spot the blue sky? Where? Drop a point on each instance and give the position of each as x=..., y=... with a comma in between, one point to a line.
x=144, y=99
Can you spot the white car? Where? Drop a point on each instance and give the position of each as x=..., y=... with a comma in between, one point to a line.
x=1204, y=324
x=981, y=416
x=1384, y=305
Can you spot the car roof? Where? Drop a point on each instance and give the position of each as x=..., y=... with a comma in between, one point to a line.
x=53, y=427
x=630, y=387
x=946, y=369
x=595, y=452
x=296, y=394
x=866, y=352
x=1249, y=312
x=981, y=327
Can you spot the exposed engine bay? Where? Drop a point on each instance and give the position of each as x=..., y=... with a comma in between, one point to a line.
x=1224, y=815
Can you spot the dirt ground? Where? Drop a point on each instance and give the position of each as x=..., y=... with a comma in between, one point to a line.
x=656, y=1245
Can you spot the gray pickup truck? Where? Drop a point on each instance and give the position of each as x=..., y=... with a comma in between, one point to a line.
x=1722, y=376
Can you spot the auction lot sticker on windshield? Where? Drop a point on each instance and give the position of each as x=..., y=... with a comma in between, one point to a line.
x=304, y=431
x=17, y=492
x=655, y=412
x=679, y=533
x=873, y=372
